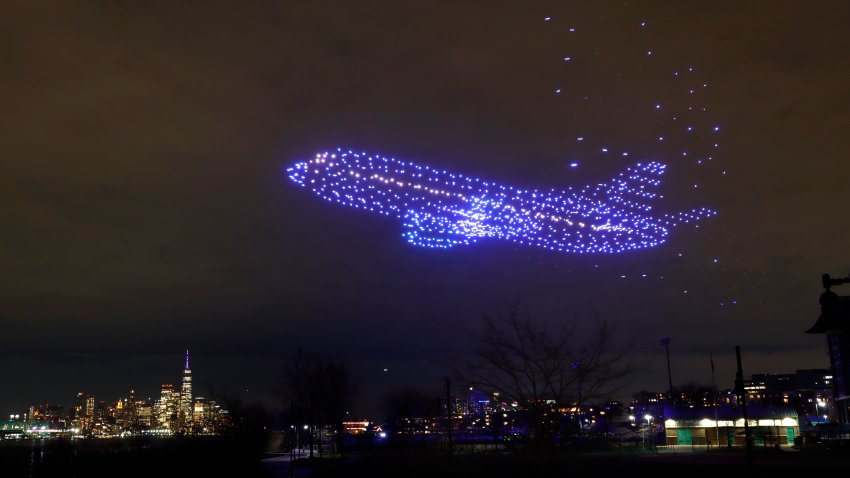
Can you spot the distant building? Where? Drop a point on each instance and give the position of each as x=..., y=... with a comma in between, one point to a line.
x=167, y=407
x=808, y=391
x=144, y=414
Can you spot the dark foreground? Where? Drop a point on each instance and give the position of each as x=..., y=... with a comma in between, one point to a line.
x=236, y=458
x=413, y=464
x=131, y=458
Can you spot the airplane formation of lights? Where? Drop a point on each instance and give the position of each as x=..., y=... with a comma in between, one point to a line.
x=440, y=209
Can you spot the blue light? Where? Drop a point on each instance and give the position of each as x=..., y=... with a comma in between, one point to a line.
x=439, y=209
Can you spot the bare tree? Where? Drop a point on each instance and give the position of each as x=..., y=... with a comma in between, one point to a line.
x=319, y=391
x=544, y=371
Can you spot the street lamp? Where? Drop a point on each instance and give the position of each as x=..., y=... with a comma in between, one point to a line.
x=648, y=419
x=821, y=404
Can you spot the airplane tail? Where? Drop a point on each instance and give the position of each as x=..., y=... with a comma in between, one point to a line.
x=633, y=187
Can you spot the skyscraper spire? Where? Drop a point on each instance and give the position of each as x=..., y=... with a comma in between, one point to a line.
x=185, y=403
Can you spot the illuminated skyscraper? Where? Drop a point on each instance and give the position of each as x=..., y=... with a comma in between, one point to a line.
x=167, y=406
x=186, y=397
x=89, y=412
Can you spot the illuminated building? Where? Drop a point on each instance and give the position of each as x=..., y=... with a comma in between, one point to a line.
x=127, y=416
x=200, y=413
x=144, y=414
x=698, y=426
x=167, y=407
x=82, y=414
x=808, y=391
x=185, y=403
x=90, y=407
x=355, y=427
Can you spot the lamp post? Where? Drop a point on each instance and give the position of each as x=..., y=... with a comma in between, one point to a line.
x=821, y=404
x=648, y=419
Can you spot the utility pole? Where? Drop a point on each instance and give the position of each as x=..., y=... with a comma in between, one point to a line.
x=742, y=396
x=449, y=415
x=666, y=343
x=715, y=399
x=292, y=407
x=576, y=365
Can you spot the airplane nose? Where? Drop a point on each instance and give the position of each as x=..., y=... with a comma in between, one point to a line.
x=297, y=173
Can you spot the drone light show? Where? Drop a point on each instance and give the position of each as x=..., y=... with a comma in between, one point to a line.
x=440, y=209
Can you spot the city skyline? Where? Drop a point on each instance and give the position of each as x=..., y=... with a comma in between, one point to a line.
x=148, y=208
x=817, y=381
x=172, y=412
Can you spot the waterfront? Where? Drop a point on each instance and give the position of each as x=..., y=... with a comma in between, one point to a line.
x=137, y=457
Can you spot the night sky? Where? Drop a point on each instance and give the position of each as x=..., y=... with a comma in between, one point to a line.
x=145, y=206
